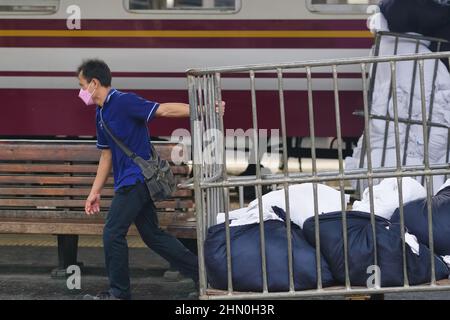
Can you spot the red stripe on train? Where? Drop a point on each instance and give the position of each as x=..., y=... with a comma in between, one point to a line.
x=53, y=112
x=223, y=43
x=204, y=24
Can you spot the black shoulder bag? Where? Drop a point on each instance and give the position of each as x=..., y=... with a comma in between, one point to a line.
x=157, y=173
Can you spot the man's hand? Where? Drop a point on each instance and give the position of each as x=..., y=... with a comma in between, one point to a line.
x=222, y=104
x=92, y=205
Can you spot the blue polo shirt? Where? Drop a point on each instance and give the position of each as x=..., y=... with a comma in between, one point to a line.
x=126, y=115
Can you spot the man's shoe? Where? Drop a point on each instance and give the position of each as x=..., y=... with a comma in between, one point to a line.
x=101, y=296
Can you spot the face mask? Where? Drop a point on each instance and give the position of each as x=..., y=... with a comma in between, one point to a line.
x=86, y=96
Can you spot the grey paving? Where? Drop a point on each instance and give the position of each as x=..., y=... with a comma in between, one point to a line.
x=25, y=274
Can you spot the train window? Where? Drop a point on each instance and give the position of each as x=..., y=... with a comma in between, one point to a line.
x=183, y=5
x=29, y=6
x=341, y=6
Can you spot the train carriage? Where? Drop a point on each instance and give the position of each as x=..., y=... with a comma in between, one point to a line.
x=149, y=45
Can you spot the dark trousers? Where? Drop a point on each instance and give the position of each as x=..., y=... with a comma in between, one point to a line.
x=133, y=204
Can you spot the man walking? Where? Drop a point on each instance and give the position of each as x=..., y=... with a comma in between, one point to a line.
x=127, y=115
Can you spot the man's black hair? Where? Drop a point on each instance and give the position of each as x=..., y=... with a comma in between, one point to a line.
x=97, y=69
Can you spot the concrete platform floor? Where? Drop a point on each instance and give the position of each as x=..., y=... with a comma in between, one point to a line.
x=27, y=261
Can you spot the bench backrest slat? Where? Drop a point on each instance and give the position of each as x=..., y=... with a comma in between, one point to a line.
x=48, y=152
x=68, y=192
x=71, y=203
x=60, y=174
x=66, y=168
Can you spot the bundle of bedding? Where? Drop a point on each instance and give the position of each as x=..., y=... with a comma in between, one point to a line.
x=246, y=249
x=246, y=258
x=361, y=250
x=416, y=219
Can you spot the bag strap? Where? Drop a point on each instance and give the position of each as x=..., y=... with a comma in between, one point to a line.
x=119, y=142
x=125, y=149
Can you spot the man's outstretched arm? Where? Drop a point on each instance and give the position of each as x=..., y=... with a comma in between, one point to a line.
x=177, y=110
x=173, y=110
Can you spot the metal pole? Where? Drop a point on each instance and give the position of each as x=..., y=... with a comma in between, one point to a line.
x=286, y=186
x=197, y=174
x=337, y=111
x=228, y=240
x=429, y=180
x=258, y=181
x=411, y=101
x=388, y=115
x=373, y=77
x=399, y=170
x=314, y=174
x=369, y=164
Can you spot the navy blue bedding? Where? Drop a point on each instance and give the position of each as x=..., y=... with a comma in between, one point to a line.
x=246, y=258
x=416, y=220
x=361, y=248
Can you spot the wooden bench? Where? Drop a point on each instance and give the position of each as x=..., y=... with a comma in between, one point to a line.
x=44, y=185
